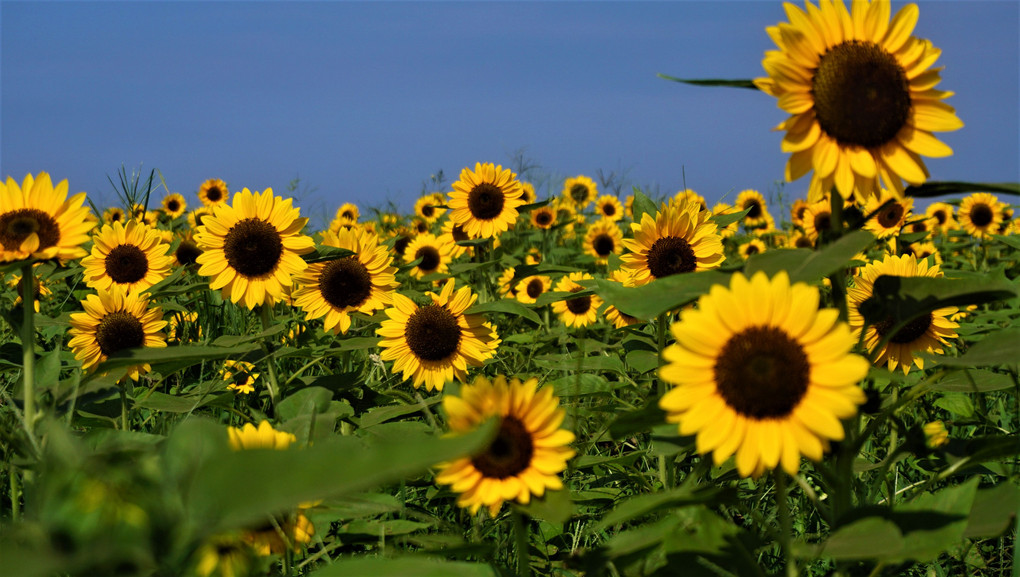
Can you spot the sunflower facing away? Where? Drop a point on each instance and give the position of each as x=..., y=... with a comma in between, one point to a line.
x=603, y=239
x=252, y=247
x=680, y=239
x=213, y=192
x=529, y=451
x=980, y=214
x=576, y=311
x=361, y=282
x=37, y=220
x=132, y=256
x=579, y=191
x=861, y=94
x=435, y=343
x=928, y=333
x=115, y=320
x=484, y=201
x=761, y=372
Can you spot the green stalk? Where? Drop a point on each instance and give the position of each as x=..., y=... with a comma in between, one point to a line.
x=785, y=523
x=838, y=278
x=123, y=407
x=15, y=493
x=521, y=537
x=266, y=312
x=28, y=345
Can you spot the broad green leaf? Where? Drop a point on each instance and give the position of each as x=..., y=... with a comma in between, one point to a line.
x=958, y=404
x=530, y=207
x=306, y=401
x=624, y=460
x=643, y=361
x=363, y=505
x=158, y=401
x=375, y=528
x=643, y=205
x=182, y=356
x=749, y=84
x=934, y=522
x=972, y=381
x=474, y=241
x=998, y=348
x=867, y=538
x=407, y=566
x=582, y=385
x=234, y=340
x=554, y=507
x=993, y=512
x=326, y=253
x=377, y=415
x=807, y=265
x=355, y=344
x=937, y=188
x=595, y=363
x=1013, y=240
x=729, y=218
x=523, y=271
x=642, y=505
x=508, y=306
x=659, y=296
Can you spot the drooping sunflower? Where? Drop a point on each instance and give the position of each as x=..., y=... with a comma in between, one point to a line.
x=484, y=201
x=928, y=333
x=680, y=239
x=435, y=343
x=944, y=214
x=362, y=282
x=131, y=256
x=252, y=247
x=213, y=192
x=39, y=290
x=37, y=220
x=980, y=214
x=576, y=311
x=113, y=214
x=861, y=94
x=529, y=451
x=435, y=255
x=609, y=207
x=543, y=218
x=890, y=213
x=532, y=287
x=603, y=239
x=528, y=192
x=579, y=191
x=759, y=370
x=428, y=207
x=751, y=247
x=115, y=320
x=534, y=256
x=174, y=205
x=758, y=213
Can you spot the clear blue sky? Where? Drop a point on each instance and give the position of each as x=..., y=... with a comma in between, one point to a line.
x=364, y=101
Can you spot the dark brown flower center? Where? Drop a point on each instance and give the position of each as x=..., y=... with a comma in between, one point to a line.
x=347, y=215
x=762, y=373
x=429, y=258
x=751, y=249
x=345, y=282
x=914, y=330
x=803, y=242
x=535, y=288
x=579, y=193
x=891, y=215
x=214, y=194
x=432, y=333
x=755, y=207
x=861, y=94
x=116, y=216
x=253, y=247
x=823, y=221
x=118, y=331
x=485, y=201
x=671, y=255
x=126, y=264
x=187, y=253
x=401, y=244
x=608, y=209
x=603, y=245
x=510, y=452
x=579, y=305
x=459, y=233
x=15, y=226
x=981, y=215
x=799, y=213
x=940, y=216
x=543, y=218
x=173, y=205
x=200, y=217
x=428, y=210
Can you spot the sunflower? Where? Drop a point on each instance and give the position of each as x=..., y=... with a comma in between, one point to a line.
x=428, y=207
x=505, y=283
x=798, y=211
x=890, y=214
x=240, y=376
x=113, y=214
x=251, y=247
x=174, y=205
x=180, y=324
x=530, y=288
x=224, y=555
x=115, y=320
x=402, y=237
x=528, y=193
x=37, y=220
x=361, y=282
x=579, y=191
x=485, y=201
x=818, y=220
x=529, y=451
x=679, y=239
x=609, y=207
x=614, y=315
x=758, y=213
x=543, y=218
x=923, y=250
x=751, y=247
x=603, y=239
x=935, y=434
x=980, y=214
x=928, y=333
x=801, y=240
x=213, y=192
x=861, y=95
x=435, y=255
x=39, y=290
x=435, y=343
x=187, y=250
x=760, y=371
x=576, y=311
x=347, y=212
x=943, y=214
x=131, y=256
x=691, y=196
x=922, y=224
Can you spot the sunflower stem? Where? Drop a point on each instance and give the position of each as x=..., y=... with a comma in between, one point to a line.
x=838, y=279
x=660, y=330
x=123, y=407
x=15, y=492
x=521, y=537
x=266, y=312
x=785, y=523
x=28, y=345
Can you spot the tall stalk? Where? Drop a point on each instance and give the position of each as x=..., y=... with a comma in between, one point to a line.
x=266, y=313
x=28, y=345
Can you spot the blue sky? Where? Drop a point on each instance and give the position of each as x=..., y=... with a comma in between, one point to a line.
x=364, y=101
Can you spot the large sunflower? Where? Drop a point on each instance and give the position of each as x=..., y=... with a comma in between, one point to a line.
x=435, y=254
x=485, y=201
x=680, y=239
x=252, y=247
x=529, y=451
x=213, y=192
x=980, y=214
x=861, y=94
x=928, y=333
x=115, y=320
x=603, y=239
x=760, y=371
x=132, y=256
x=579, y=191
x=361, y=282
x=37, y=220
x=576, y=311
x=435, y=343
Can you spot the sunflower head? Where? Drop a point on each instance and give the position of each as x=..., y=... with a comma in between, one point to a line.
x=603, y=239
x=348, y=212
x=115, y=320
x=680, y=239
x=213, y=192
x=132, y=256
x=434, y=255
x=174, y=205
x=609, y=207
x=428, y=208
x=37, y=220
x=751, y=248
x=887, y=214
x=526, y=457
x=528, y=193
x=944, y=215
x=543, y=218
x=530, y=288
x=757, y=210
x=484, y=201
x=579, y=311
x=980, y=214
x=579, y=191
x=690, y=196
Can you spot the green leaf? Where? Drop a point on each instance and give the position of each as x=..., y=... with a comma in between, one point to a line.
x=158, y=401
x=936, y=188
x=306, y=401
x=182, y=356
x=582, y=385
x=934, y=522
x=723, y=220
x=643, y=361
x=377, y=415
x=639, y=421
x=642, y=505
x=958, y=404
x=554, y=507
x=234, y=340
x=508, y=306
x=643, y=205
x=525, y=270
x=749, y=84
x=998, y=348
x=665, y=294
x=868, y=538
x=408, y=566
x=530, y=207
x=811, y=266
x=326, y=253
x=993, y=511
x=972, y=381
x=1012, y=241
x=474, y=241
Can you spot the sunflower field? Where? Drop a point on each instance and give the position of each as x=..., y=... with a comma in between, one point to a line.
x=533, y=378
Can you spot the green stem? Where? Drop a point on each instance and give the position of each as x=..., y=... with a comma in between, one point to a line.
x=15, y=493
x=266, y=312
x=838, y=278
x=785, y=523
x=521, y=537
x=123, y=407
x=28, y=345
x=660, y=329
